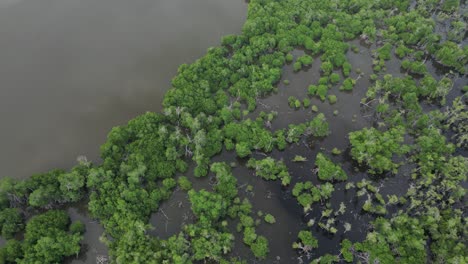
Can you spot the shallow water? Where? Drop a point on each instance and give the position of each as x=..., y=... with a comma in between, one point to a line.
x=270, y=197
x=91, y=248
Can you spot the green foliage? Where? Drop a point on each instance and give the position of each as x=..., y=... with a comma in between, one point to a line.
x=326, y=67
x=457, y=120
x=302, y=61
x=260, y=247
x=451, y=55
x=348, y=84
x=297, y=66
x=184, y=183
x=12, y=251
x=415, y=67
x=11, y=222
x=448, y=229
x=346, y=250
x=55, y=186
x=432, y=153
x=211, y=246
x=346, y=69
x=401, y=51
x=294, y=102
x=385, y=51
x=320, y=90
x=457, y=31
x=332, y=98
x=72, y=183
x=402, y=238
x=306, y=60
x=299, y=158
x=319, y=126
x=270, y=169
x=370, y=207
x=251, y=135
x=312, y=90
x=307, y=194
x=327, y=170
x=326, y=259
x=46, y=239
x=77, y=227
x=336, y=151
x=207, y=206
x=270, y=219
x=226, y=183
x=45, y=190
x=375, y=204
x=306, y=102
x=450, y=6
x=143, y=246
x=258, y=244
x=203, y=110
x=333, y=46
x=376, y=149
x=175, y=249
x=334, y=78
x=306, y=241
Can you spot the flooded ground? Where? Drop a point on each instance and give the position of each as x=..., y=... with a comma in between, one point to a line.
x=271, y=197
x=92, y=248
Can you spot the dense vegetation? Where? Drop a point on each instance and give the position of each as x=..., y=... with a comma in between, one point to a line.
x=212, y=108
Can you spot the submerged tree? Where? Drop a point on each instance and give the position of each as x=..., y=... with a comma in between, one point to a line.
x=327, y=170
x=376, y=149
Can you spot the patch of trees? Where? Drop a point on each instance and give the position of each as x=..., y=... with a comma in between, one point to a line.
x=48, y=238
x=317, y=127
x=457, y=120
x=307, y=194
x=327, y=170
x=206, y=109
x=270, y=169
x=46, y=190
x=375, y=149
x=247, y=136
x=306, y=242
